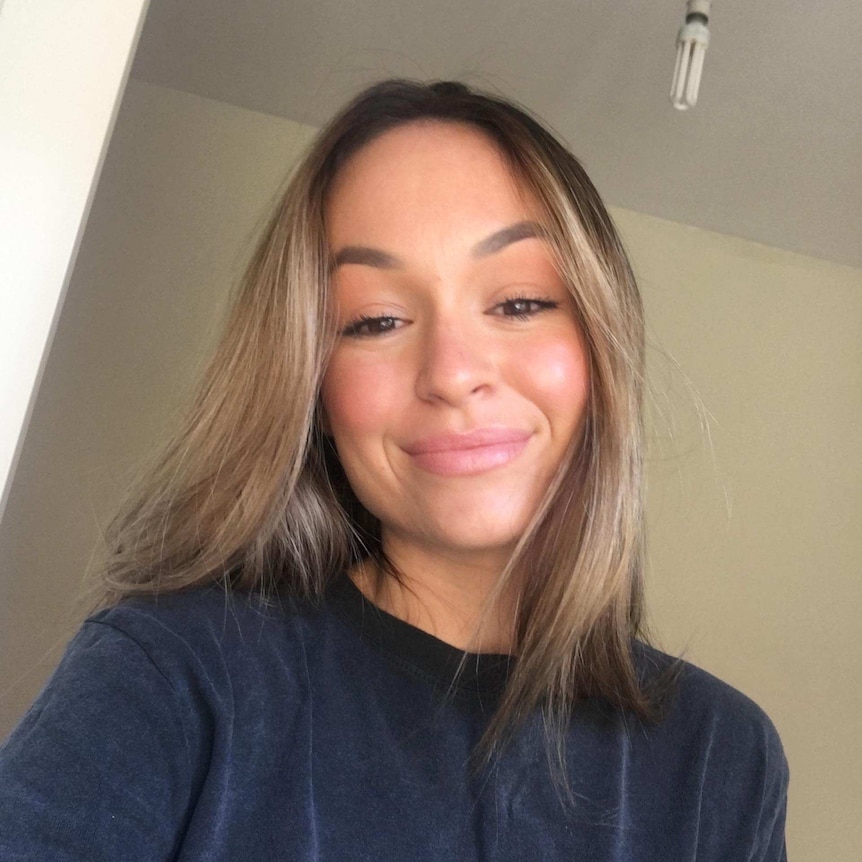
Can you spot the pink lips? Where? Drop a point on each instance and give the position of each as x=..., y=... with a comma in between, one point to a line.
x=465, y=454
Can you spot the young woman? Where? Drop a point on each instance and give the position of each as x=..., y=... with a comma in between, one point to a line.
x=381, y=598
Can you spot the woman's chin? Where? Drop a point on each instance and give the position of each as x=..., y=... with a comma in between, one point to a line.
x=476, y=538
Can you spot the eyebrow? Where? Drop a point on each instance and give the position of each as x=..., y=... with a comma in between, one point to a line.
x=497, y=241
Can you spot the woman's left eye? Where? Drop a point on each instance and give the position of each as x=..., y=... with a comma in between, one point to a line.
x=522, y=307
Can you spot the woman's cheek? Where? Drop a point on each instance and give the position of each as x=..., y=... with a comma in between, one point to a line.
x=357, y=395
x=555, y=371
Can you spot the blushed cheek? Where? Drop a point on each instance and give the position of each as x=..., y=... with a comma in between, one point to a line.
x=356, y=399
x=556, y=375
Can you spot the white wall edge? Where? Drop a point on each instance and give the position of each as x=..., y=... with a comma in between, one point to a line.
x=63, y=72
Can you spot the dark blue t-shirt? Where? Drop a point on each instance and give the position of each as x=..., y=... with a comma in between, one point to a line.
x=206, y=726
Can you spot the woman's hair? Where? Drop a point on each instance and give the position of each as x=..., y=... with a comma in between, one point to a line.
x=250, y=493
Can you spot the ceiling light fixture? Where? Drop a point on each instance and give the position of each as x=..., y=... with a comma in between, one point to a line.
x=691, y=47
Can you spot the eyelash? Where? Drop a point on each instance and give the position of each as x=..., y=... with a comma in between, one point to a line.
x=359, y=328
x=543, y=304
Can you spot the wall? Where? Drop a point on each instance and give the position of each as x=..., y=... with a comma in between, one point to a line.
x=755, y=545
x=59, y=98
x=184, y=184
x=754, y=550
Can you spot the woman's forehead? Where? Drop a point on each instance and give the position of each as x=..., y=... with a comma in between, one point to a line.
x=417, y=177
x=418, y=156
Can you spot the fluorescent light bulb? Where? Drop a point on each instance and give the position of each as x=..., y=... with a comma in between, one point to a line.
x=691, y=45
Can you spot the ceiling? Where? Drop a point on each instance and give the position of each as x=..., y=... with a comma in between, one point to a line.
x=772, y=152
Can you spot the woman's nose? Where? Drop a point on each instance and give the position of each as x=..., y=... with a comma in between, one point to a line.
x=456, y=363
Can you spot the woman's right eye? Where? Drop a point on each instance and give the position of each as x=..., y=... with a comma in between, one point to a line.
x=368, y=327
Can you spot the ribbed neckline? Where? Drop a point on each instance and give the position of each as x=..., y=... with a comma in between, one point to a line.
x=415, y=651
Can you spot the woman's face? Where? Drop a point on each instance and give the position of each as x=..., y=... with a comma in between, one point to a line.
x=459, y=376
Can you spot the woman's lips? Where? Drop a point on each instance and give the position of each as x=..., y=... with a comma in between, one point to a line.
x=466, y=454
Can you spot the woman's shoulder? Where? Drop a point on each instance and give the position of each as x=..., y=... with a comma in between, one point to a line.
x=695, y=692
x=705, y=716
x=208, y=632
x=143, y=692
x=203, y=612
x=718, y=749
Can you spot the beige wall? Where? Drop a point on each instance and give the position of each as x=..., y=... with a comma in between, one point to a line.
x=754, y=547
x=755, y=540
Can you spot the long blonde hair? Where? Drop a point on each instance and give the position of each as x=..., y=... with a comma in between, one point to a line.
x=249, y=493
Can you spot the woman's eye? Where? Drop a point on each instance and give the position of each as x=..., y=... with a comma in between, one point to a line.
x=366, y=326
x=523, y=308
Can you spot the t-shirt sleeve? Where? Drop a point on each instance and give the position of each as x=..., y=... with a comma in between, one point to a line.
x=99, y=767
x=771, y=846
x=748, y=781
